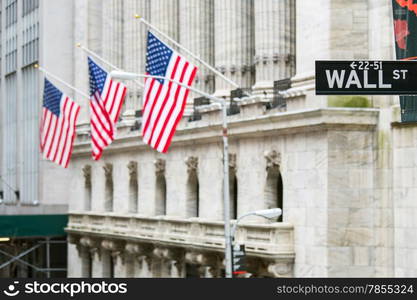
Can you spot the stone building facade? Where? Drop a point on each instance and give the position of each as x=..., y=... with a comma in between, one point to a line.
x=341, y=168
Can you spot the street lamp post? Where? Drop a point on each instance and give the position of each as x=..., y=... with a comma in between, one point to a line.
x=272, y=213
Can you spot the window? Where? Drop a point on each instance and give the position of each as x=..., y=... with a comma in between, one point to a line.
x=160, y=196
x=28, y=6
x=274, y=189
x=11, y=55
x=160, y=188
x=133, y=187
x=192, y=196
x=11, y=12
x=87, y=187
x=30, y=32
x=233, y=193
x=109, y=193
x=233, y=187
x=30, y=48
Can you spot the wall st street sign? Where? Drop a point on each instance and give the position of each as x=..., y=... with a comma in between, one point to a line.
x=360, y=77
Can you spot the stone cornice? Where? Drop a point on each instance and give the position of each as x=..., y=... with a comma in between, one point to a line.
x=292, y=122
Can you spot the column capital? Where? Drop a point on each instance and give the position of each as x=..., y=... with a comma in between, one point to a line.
x=280, y=269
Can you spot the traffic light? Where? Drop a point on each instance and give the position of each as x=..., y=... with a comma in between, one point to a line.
x=239, y=259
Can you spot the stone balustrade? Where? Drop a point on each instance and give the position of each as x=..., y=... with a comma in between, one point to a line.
x=262, y=240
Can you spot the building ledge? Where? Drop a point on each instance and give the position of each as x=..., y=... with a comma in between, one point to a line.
x=273, y=241
x=292, y=122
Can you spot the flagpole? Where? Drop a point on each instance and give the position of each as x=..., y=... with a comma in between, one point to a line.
x=128, y=75
x=226, y=196
x=211, y=68
x=104, y=61
x=61, y=81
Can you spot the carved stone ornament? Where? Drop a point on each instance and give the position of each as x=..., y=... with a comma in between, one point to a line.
x=192, y=164
x=95, y=251
x=138, y=249
x=159, y=166
x=191, y=257
x=145, y=259
x=273, y=159
x=207, y=259
x=108, y=170
x=158, y=252
x=73, y=239
x=89, y=242
x=133, y=169
x=280, y=269
x=112, y=245
x=232, y=161
x=87, y=172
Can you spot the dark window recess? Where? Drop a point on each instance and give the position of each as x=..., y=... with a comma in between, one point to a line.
x=1, y=195
x=278, y=100
x=29, y=6
x=191, y=271
x=234, y=96
x=138, y=113
x=138, y=120
x=11, y=13
x=200, y=101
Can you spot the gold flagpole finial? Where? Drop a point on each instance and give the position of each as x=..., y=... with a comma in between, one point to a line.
x=78, y=45
x=137, y=16
x=36, y=66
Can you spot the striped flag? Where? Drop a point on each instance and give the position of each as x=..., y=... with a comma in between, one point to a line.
x=106, y=100
x=164, y=101
x=58, y=123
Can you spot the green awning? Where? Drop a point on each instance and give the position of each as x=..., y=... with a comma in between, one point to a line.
x=32, y=225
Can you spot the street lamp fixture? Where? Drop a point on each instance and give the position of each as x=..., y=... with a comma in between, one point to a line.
x=272, y=213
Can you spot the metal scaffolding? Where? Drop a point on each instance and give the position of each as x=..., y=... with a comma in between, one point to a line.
x=42, y=243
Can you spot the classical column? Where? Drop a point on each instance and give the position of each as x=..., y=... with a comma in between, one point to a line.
x=134, y=50
x=197, y=35
x=164, y=15
x=113, y=32
x=234, y=51
x=113, y=254
x=95, y=25
x=85, y=247
x=139, y=258
x=81, y=78
x=274, y=42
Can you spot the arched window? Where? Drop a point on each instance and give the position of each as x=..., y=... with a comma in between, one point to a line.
x=161, y=195
x=192, y=197
x=273, y=187
x=87, y=187
x=160, y=185
x=109, y=193
x=133, y=187
x=233, y=194
x=233, y=187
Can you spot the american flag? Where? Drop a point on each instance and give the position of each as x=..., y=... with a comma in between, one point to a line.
x=58, y=123
x=164, y=101
x=106, y=100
